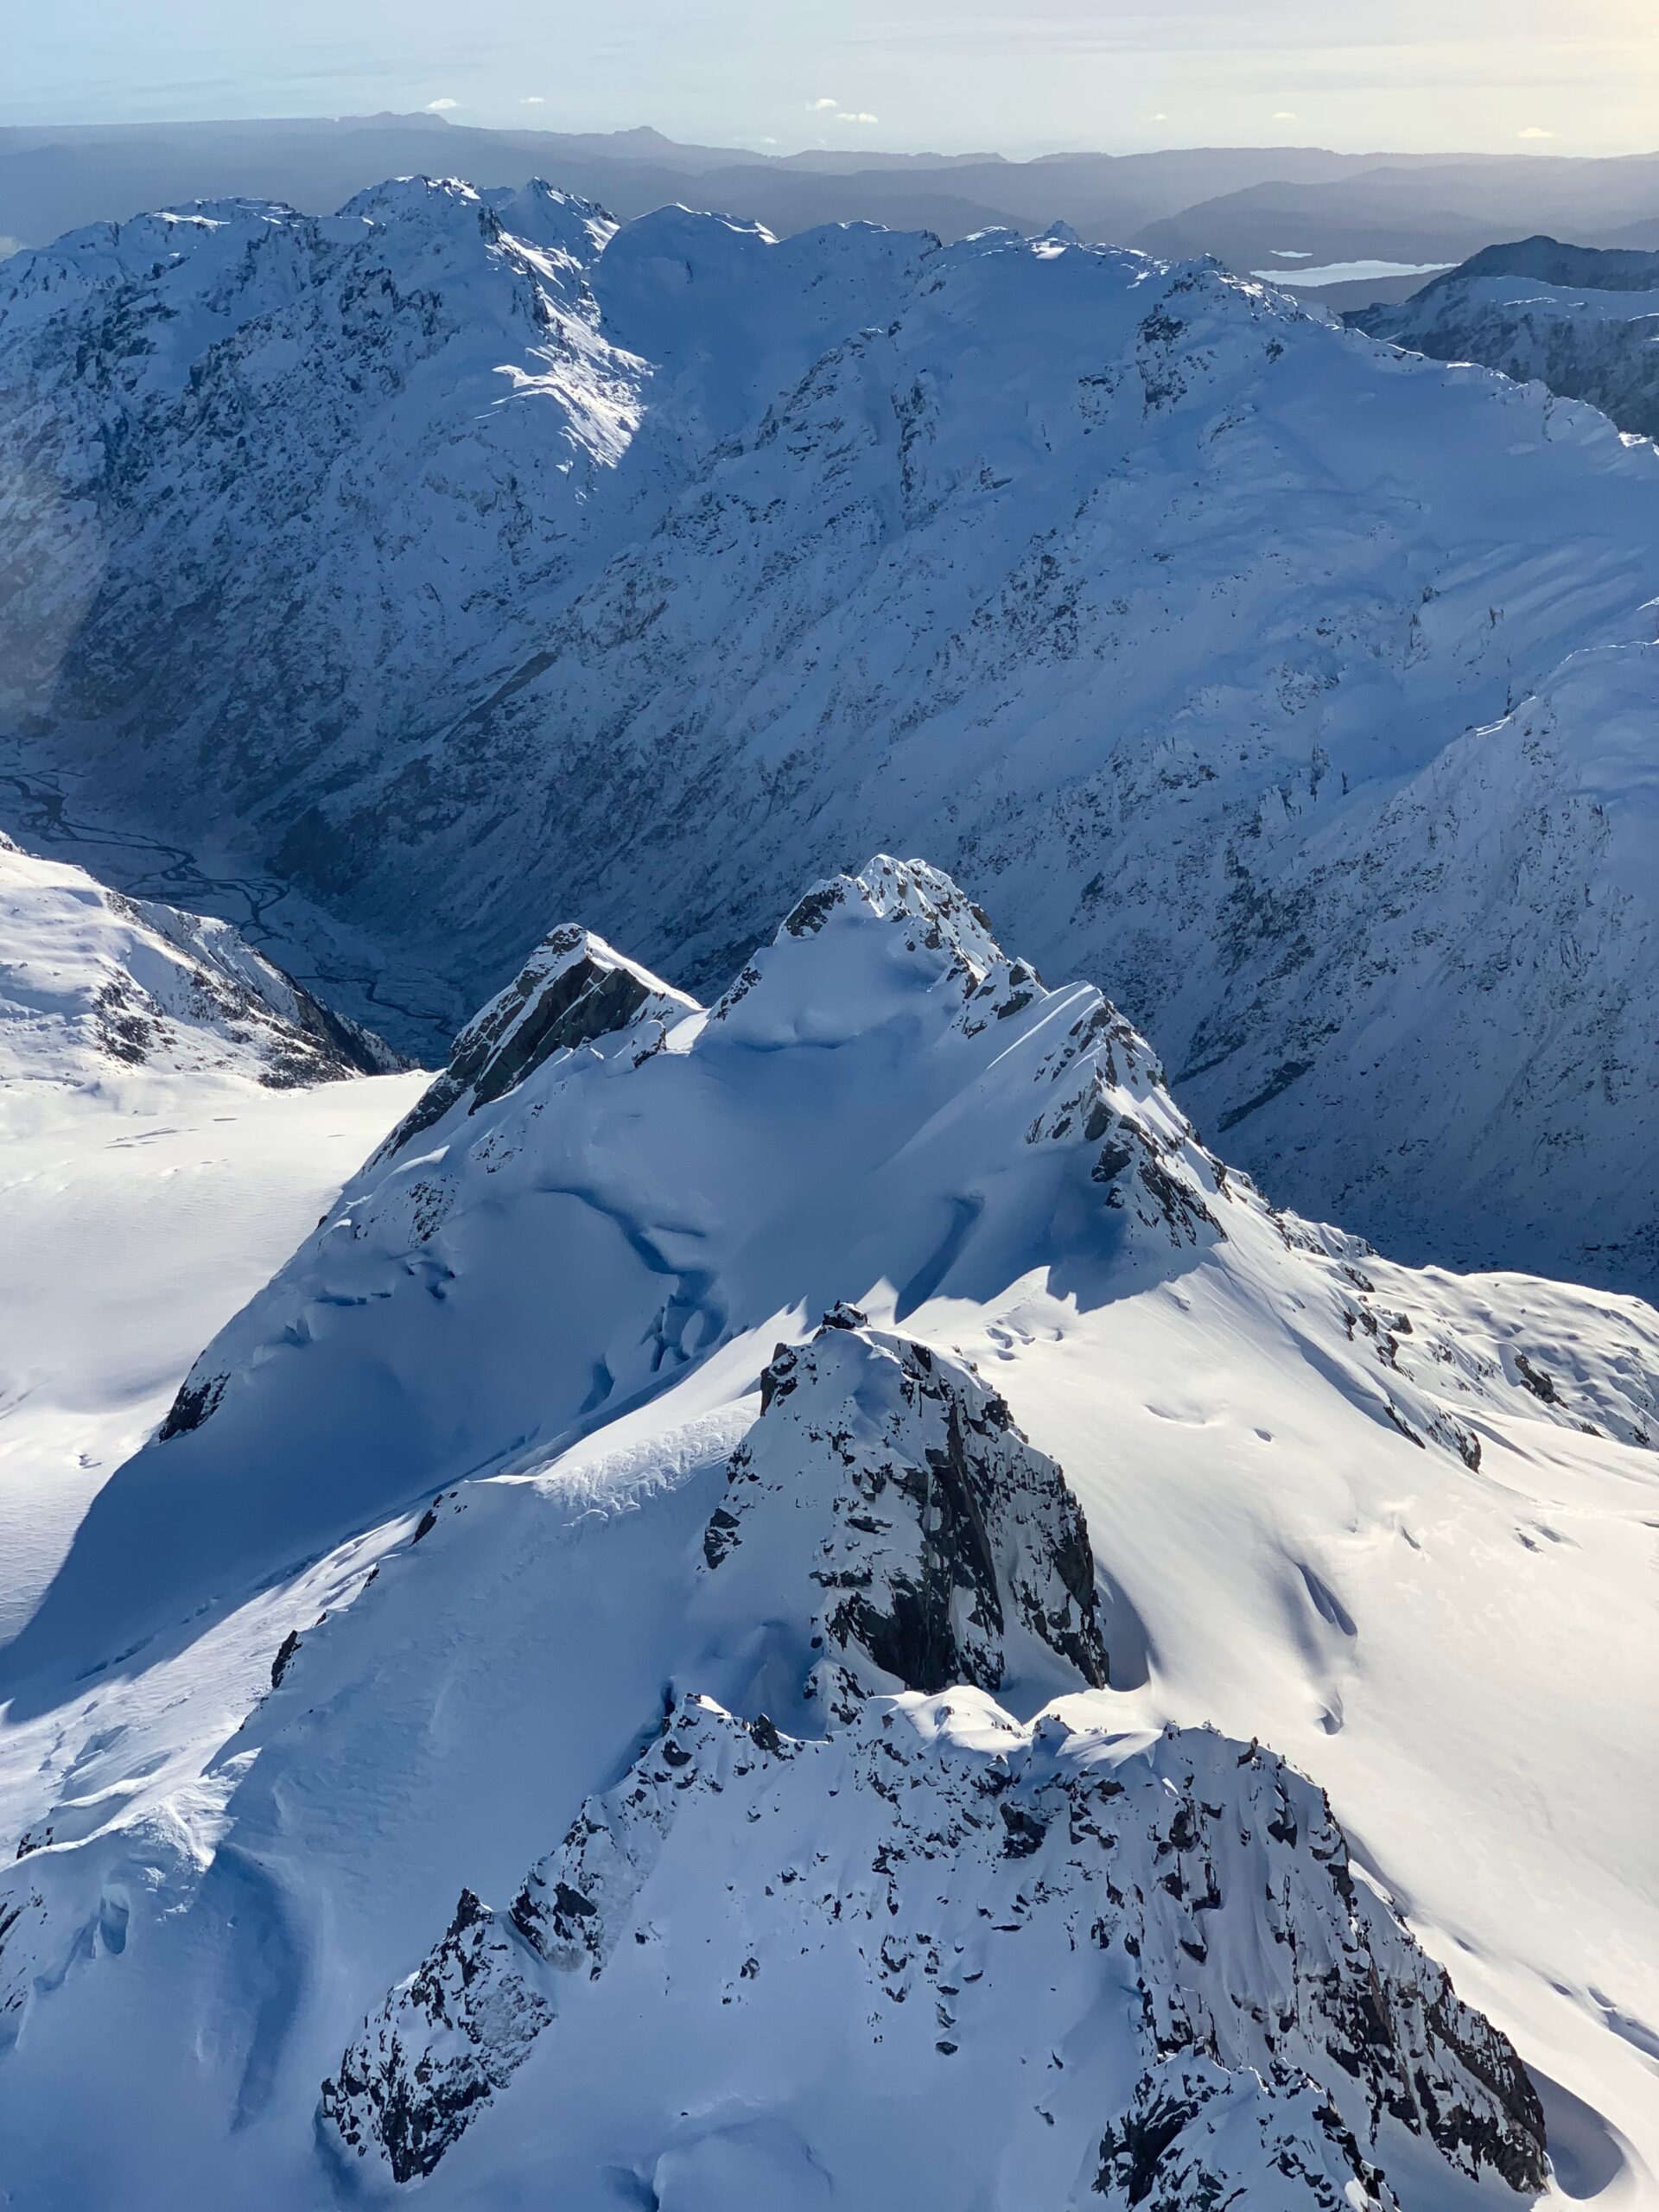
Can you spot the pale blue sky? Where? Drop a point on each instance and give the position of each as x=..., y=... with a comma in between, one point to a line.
x=1568, y=76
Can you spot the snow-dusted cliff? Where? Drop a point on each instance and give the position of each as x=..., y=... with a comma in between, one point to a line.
x=91, y=983
x=1583, y=320
x=682, y=1504
x=466, y=541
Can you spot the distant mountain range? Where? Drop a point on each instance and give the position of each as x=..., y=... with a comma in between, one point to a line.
x=1251, y=205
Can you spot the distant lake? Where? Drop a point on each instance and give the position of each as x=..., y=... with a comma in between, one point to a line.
x=1348, y=272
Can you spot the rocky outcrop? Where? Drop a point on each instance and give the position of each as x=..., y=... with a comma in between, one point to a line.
x=944, y=1548
x=572, y=990
x=972, y=1888
x=1277, y=2033
x=470, y=2018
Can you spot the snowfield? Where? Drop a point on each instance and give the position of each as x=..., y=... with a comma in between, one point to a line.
x=598, y=1672
x=465, y=557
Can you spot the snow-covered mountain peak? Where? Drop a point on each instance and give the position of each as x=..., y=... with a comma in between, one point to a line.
x=899, y=920
x=958, y=1894
x=883, y=1107
x=575, y=991
x=964, y=1889
x=907, y=892
x=429, y=202
x=611, y=1190
x=429, y=229
x=538, y=214
x=898, y=943
x=510, y=1511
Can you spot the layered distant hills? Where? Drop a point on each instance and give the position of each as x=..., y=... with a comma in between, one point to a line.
x=1253, y=206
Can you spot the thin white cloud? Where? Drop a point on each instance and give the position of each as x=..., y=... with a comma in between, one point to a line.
x=441, y=107
x=821, y=107
x=1532, y=131
x=1283, y=115
x=1160, y=117
x=844, y=116
x=532, y=99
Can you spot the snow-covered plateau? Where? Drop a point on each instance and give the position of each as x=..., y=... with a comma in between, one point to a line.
x=463, y=558
x=806, y=1600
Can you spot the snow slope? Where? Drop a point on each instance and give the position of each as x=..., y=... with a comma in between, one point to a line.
x=1583, y=320
x=174, y=1112
x=532, y=1541
x=1302, y=687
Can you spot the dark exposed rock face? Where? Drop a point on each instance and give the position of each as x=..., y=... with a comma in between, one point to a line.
x=469, y=1993
x=194, y=1401
x=285, y=1650
x=571, y=991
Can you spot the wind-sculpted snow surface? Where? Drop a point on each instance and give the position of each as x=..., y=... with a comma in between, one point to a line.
x=881, y=1097
x=175, y=1111
x=647, y=573
x=478, y=1295
x=826, y=1456
x=1579, y=319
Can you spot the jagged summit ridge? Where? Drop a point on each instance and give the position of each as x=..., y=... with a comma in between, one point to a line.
x=574, y=990
x=1273, y=2032
x=1048, y=1085
x=540, y=1438
x=884, y=1107
x=1315, y=2022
